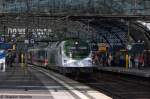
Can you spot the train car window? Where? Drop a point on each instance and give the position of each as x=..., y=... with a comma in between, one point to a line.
x=42, y=54
x=45, y=53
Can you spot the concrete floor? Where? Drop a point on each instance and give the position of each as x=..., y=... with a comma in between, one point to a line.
x=30, y=82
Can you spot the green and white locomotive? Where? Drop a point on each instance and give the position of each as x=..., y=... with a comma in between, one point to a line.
x=66, y=56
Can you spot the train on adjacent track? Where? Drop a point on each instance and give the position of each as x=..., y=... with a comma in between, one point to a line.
x=66, y=56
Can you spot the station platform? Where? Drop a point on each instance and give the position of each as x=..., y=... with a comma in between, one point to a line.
x=30, y=82
x=144, y=72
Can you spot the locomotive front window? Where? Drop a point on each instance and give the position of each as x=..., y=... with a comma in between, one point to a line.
x=75, y=50
x=41, y=54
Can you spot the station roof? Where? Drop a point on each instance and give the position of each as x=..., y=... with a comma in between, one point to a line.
x=101, y=7
x=53, y=20
x=44, y=28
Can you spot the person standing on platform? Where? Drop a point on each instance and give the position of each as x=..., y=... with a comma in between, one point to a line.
x=130, y=62
x=136, y=61
x=121, y=61
x=141, y=61
x=10, y=60
x=110, y=58
x=96, y=58
x=104, y=59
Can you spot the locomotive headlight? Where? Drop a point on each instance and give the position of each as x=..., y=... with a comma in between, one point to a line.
x=87, y=62
x=76, y=43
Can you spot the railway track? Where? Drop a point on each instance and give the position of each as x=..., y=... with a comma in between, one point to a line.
x=117, y=86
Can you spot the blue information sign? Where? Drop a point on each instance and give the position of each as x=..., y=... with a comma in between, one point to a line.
x=6, y=46
x=2, y=54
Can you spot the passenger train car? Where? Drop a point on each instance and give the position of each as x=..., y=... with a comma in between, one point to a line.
x=66, y=56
